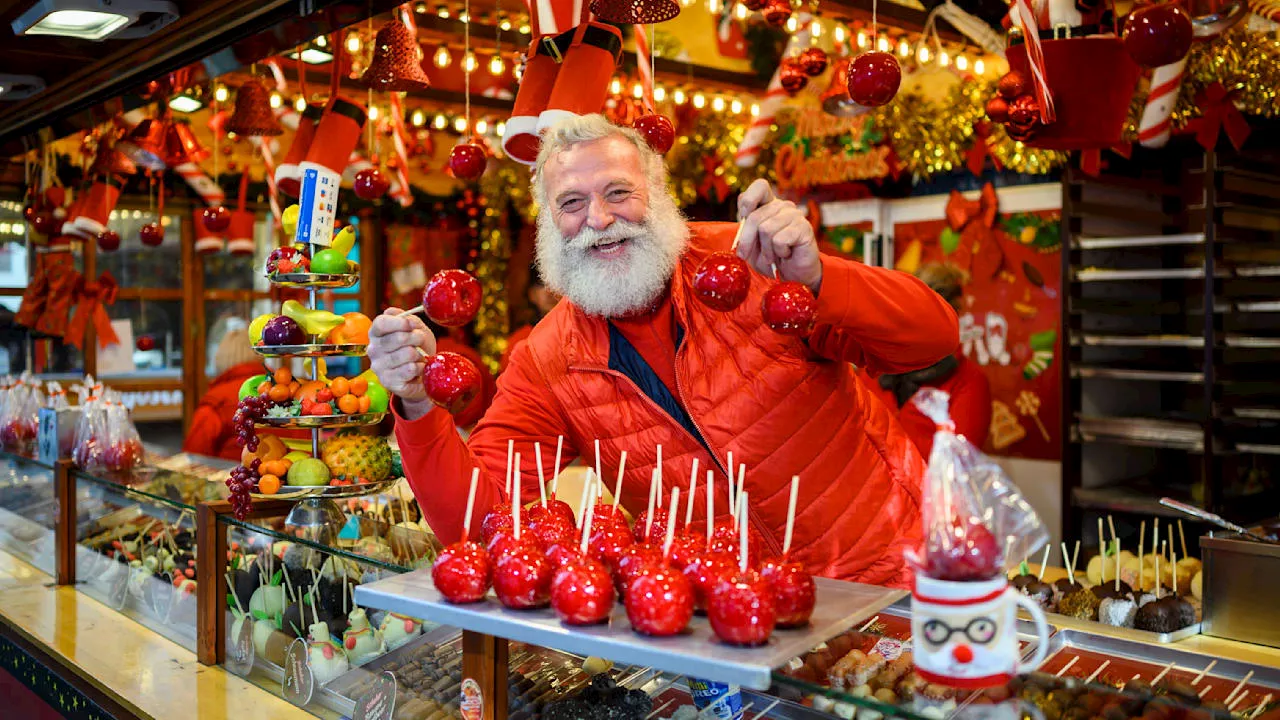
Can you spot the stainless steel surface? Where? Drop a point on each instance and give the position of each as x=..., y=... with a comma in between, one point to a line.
x=300, y=492
x=312, y=350
x=1241, y=585
x=1218, y=520
x=695, y=652
x=1225, y=669
x=1133, y=634
x=323, y=421
x=1108, y=373
x=1111, y=243
x=316, y=280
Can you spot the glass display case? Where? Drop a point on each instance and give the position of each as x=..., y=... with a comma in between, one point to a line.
x=28, y=511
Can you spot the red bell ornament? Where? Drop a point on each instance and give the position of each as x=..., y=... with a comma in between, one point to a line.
x=657, y=130
x=635, y=12
x=813, y=61
x=397, y=61
x=874, y=78
x=1158, y=35
x=253, y=116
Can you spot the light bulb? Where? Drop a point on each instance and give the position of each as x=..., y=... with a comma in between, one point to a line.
x=718, y=104
x=713, y=7
x=442, y=58
x=353, y=43
x=862, y=39
x=505, y=25
x=740, y=11
x=496, y=65
x=962, y=63
x=482, y=126
x=420, y=8
x=659, y=94
x=615, y=87
x=464, y=16
x=300, y=104
x=525, y=29
x=418, y=118
x=501, y=128
x=442, y=11
x=373, y=112
x=755, y=109
x=678, y=96
x=460, y=124
x=979, y=66
x=923, y=54
x=469, y=62
x=792, y=24
x=637, y=91
x=276, y=100
x=904, y=48
x=221, y=93
x=699, y=100
x=735, y=107
x=321, y=41
x=439, y=122
x=944, y=59
x=882, y=44
x=815, y=29
x=839, y=34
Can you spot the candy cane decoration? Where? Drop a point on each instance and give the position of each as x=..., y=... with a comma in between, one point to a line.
x=398, y=134
x=644, y=64
x=1154, y=127
x=753, y=140
x=1026, y=20
x=196, y=179
x=269, y=164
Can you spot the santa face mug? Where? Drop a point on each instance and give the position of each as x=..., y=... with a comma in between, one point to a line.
x=964, y=634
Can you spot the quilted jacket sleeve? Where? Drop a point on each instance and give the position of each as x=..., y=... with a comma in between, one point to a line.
x=438, y=462
x=882, y=320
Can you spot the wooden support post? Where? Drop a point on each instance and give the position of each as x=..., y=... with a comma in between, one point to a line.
x=64, y=534
x=484, y=660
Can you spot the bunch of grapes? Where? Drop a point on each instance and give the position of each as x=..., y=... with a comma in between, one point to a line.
x=250, y=410
x=243, y=481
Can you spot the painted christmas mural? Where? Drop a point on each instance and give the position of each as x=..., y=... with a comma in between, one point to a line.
x=1011, y=312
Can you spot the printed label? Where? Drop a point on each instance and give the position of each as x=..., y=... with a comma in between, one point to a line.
x=472, y=700
x=380, y=702
x=298, y=680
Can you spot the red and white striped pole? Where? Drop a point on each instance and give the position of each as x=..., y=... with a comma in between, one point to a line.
x=749, y=152
x=644, y=66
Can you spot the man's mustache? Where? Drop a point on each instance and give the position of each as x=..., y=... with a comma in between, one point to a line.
x=588, y=238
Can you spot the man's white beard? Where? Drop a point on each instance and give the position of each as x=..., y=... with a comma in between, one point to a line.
x=615, y=286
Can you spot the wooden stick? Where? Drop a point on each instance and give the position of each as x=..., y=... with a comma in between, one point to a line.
x=711, y=504
x=1155, y=535
x=1182, y=535
x=288, y=586
x=1204, y=672
x=661, y=707
x=542, y=479
x=1071, y=571
x=1117, y=542
x=658, y=466
x=1098, y=672
x=653, y=497
x=471, y=504
x=1205, y=690
x=598, y=473
x=231, y=588
x=1068, y=666
x=315, y=582
x=1231, y=706
x=555, y=476
x=617, y=486
x=732, y=505
x=511, y=449
x=766, y=709
x=1239, y=686
x=1075, y=558
x=1159, y=581
x=1111, y=523
x=868, y=624
x=1163, y=672
x=1102, y=555
x=516, y=500
x=1266, y=700
x=671, y=526
x=742, y=535
x=693, y=491
x=404, y=506
x=1142, y=569
x=742, y=474
x=1173, y=559
x=411, y=311
x=791, y=516
x=582, y=505
x=1044, y=561
x=586, y=526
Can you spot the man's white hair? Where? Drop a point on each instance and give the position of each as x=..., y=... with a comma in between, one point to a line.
x=590, y=128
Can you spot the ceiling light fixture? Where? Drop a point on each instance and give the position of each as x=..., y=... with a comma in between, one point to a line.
x=185, y=103
x=17, y=87
x=95, y=19
x=312, y=55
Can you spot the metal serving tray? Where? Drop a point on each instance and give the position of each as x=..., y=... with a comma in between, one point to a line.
x=696, y=652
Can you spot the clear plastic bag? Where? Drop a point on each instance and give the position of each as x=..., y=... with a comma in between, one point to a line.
x=91, y=434
x=976, y=522
x=123, y=449
x=56, y=397
x=20, y=417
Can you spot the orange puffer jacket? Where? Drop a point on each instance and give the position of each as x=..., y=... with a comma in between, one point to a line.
x=783, y=406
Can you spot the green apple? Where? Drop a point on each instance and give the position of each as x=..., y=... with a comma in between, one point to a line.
x=255, y=327
x=329, y=262
x=379, y=398
x=310, y=472
x=250, y=386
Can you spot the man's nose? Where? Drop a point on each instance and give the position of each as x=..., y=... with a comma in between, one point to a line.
x=598, y=215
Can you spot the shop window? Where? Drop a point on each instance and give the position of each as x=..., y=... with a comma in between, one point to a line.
x=157, y=340
x=136, y=265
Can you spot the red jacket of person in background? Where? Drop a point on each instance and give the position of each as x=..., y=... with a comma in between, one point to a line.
x=970, y=405
x=211, y=432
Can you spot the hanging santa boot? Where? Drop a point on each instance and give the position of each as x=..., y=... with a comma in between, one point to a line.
x=591, y=53
x=520, y=139
x=63, y=279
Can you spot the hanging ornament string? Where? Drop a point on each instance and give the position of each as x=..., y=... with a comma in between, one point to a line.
x=466, y=62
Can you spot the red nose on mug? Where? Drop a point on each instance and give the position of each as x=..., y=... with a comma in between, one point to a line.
x=962, y=654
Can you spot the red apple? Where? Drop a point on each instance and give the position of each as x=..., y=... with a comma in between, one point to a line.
x=789, y=308
x=706, y=570
x=451, y=380
x=657, y=130
x=794, y=593
x=659, y=602
x=462, y=572
x=498, y=520
x=1158, y=35
x=451, y=298
x=635, y=560
x=151, y=234
x=467, y=161
x=522, y=577
x=370, y=184
x=582, y=592
x=874, y=78
x=722, y=281
x=741, y=609
x=146, y=342
x=216, y=218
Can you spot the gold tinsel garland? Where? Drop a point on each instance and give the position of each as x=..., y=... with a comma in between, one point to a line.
x=1243, y=61
x=506, y=188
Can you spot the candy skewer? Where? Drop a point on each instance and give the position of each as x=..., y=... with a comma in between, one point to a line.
x=555, y=474
x=653, y=495
x=542, y=480
x=1205, y=690
x=1196, y=680
x=1163, y=672
x=582, y=505
x=1117, y=549
x=586, y=526
x=693, y=490
x=1239, y=686
x=661, y=707
x=1068, y=666
x=711, y=505
x=1111, y=524
x=1159, y=582
x=658, y=467
x=742, y=534
x=231, y=590
x=1071, y=571
x=617, y=486
x=1173, y=560
x=471, y=504
x=671, y=526
x=1044, y=561
x=791, y=516
x=1075, y=558
x=1098, y=672
x=742, y=476
x=516, y=500
x=732, y=505
x=1182, y=535
x=1231, y=706
x=868, y=624
x=1142, y=569
x=1266, y=700
x=766, y=709
x=1102, y=555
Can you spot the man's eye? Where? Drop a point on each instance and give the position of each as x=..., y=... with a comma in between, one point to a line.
x=617, y=195
x=571, y=205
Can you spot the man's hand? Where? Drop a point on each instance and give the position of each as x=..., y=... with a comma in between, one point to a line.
x=775, y=231
x=393, y=354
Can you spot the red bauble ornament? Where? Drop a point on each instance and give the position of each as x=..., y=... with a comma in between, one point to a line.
x=108, y=241
x=997, y=109
x=1023, y=111
x=1158, y=35
x=755, y=5
x=741, y=609
x=660, y=602
x=467, y=161
x=151, y=234
x=216, y=218
x=874, y=78
x=777, y=12
x=794, y=594
x=44, y=223
x=657, y=130
x=452, y=381
x=462, y=572
x=451, y=298
x=789, y=308
x=813, y=60
x=371, y=184
x=146, y=342
x=721, y=281
x=792, y=77
x=29, y=213
x=582, y=592
x=522, y=577
x=1012, y=85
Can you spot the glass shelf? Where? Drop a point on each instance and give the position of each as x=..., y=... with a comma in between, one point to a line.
x=28, y=510
x=176, y=488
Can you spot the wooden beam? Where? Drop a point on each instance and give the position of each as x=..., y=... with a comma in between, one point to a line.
x=484, y=661
x=64, y=535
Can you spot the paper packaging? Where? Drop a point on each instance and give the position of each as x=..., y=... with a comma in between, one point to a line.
x=321, y=173
x=63, y=423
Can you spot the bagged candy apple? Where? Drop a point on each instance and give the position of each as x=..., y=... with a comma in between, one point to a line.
x=975, y=522
x=123, y=448
x=91, y=434
x=18, y=421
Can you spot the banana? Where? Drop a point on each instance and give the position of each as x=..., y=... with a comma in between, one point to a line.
x=344, y=240
x=313, y=322
x=289, y=221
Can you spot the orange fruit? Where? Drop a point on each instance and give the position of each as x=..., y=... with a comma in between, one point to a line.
x=355, y=329
x=278, y=393
x=275, y=467
x=340, y=386
x=308, y=390
x=269, y=484
x=349, y=404
x=293, y=387
x=264, y=387
x=359, y=386
x=283, y=376
x=365, y=402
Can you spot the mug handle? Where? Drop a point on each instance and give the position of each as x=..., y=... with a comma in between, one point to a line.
x=1042, y=631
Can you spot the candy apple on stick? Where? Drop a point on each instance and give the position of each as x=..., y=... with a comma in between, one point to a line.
x=687, y=545
x=568, y=548
x=554, y=504
x=582, y=590
x=707, y=567
x=522, y=576
x=462, y=572
x=794, y=593
x=498, y=520
x=660, y=599
x=638, y=557
x=741, y=606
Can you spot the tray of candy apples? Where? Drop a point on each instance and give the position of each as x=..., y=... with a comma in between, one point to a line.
x=283, y=401
x=556, y=580
x=350, y=463
x=1151, y=596
x=290, y=266
x=298, y=331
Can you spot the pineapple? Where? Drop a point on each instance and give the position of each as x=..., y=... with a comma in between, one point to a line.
x=357, y=457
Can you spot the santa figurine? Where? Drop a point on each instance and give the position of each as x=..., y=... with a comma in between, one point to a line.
x=569, y=65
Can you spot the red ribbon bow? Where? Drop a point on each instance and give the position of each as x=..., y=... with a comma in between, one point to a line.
x=979, y=251
x=1220, y=112
x=977, y=154
x=91, y=297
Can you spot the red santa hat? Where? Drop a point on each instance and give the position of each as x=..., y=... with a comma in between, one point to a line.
x=91, y=217
x=288, y=174
x=207, y=241
x=240, y=231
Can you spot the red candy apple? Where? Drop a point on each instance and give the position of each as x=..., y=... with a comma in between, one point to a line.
x=151, y=234
x=467, y=161
x=370, y=184
x=522, y=577
x=705, y=571
x=741, y=609
x=146, y=342
x=582, y=592
x=721, y=281
x=608, y=541
x=794, y=593
x=1158, y=35
x=789, y=308
x=216, y=218
x=451, y=380
x=659, y=602
x=685, y=547
x=552, y=529
x=657, y=528
x=635, y=560
x=108, y=240
x=563, y=552
x=562, y=509
x=462, y=572
x=498, y=520
x=657, y=130
x=451, y=298
x=964, y=550
x=874, y=78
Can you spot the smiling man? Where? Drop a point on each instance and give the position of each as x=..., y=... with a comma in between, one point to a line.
x=632, y=359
